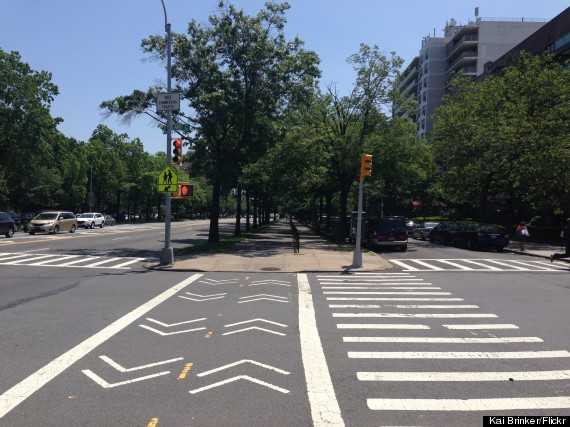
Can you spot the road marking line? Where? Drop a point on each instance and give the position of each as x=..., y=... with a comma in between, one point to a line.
x=255, y=320
x=77, y=261
x=120, y=368
x=461, y=267
x=239, y=377
x=509, y=265
x=33, y=258
x=132, y=261
x=464, y=376
x=487, y=267
x=105, y=384
x=408, y=267
x=488, y=405
x=57, y=258
x=456, y=355
x=427, y=340
x=241, y=362
x=416, y=315
x=95, y=264
x=380, y=326
x=251, y=328
x=482, y=326
x=385, y=287
x=384, y=293
x=358, y=280
x=391, y=299
x=24, y=389
x=325, y=410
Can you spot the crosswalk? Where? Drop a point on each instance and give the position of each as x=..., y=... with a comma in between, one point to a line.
x=471, y=265
x=440, y=349
x=70, y=261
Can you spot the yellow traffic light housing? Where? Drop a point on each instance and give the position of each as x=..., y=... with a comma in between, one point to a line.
x=365, y=165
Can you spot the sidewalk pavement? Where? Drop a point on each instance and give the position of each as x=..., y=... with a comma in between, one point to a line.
x=271, y=250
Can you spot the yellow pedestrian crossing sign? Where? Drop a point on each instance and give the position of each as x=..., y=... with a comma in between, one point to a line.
x=168, y=180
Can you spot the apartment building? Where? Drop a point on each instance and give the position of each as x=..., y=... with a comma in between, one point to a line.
x=463, y=50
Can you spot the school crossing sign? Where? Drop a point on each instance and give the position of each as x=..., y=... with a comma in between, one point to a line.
x=167, y=181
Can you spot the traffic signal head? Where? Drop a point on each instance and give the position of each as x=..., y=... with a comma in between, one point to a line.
x=177, y=151
x=365, y=165
x=185, y=190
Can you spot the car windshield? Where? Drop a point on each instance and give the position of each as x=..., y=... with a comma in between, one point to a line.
x=86, y=216
x=46, y=216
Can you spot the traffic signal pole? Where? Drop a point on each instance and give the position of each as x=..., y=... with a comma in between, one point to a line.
x=365, y=170
x=167, y=254
x=357, y=256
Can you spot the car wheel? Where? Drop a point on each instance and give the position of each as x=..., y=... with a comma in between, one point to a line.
x=403, y=248
x=470, y=245
x=92, y=226
x=102, y=225
x=72, y=229
x=10, y=233
x=500, y=248
x=32, y=233
x=443, y=240
x=56, y=230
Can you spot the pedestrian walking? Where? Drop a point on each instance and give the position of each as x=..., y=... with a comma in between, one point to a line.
x=565, y=234
x=522, y=235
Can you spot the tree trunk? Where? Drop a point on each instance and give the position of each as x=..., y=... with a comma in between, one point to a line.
x=214, y=232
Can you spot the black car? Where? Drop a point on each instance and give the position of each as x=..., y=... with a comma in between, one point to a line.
x=7, y=225
x=388, y=232
x=444, y=232
x=16, y=219
x=479, y=235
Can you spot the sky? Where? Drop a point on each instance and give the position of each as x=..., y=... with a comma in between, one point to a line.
x=92, y=47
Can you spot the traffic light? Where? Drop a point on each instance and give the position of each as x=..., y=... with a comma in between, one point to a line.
x=177, y=151
x=365, y=165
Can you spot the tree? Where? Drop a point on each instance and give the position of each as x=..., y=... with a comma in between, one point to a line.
x=234, y=73
x=506, y=135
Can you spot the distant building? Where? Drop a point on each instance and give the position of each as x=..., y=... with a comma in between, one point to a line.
x=552, y=38
x=464, y=50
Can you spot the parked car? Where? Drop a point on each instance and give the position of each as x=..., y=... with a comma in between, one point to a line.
x=109, y=220
x=26, y=218
x=411, y=224
x=53, y=222
x=423, y=231
x=479, y=235
x=444, y=232
x=91, y=220
x=7, y=225
x=386, y=232
x=17, y=220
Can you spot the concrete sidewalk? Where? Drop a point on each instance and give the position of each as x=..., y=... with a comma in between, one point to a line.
x=541, y=250
x=272, y=250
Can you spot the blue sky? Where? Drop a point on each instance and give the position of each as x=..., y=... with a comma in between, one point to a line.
x=92, y=48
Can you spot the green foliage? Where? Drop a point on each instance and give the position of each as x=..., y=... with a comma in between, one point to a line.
x=507, y=134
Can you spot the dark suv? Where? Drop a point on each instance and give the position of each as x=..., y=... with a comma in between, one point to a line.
x=7, y=225
x=387, y=231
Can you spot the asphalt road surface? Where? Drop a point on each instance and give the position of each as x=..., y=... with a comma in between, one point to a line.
x=445, y=337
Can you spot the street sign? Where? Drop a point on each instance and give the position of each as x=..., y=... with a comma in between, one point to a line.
x=167, y=180
x=181, y=126
x=168, y=101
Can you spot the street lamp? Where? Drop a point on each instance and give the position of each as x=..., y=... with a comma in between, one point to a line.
x=167, y=254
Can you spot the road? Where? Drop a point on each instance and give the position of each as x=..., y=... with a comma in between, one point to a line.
x=445, y=337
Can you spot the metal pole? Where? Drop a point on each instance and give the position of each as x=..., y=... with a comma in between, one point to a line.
x=91, y=189
x=357, y=256
x=167, y=254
